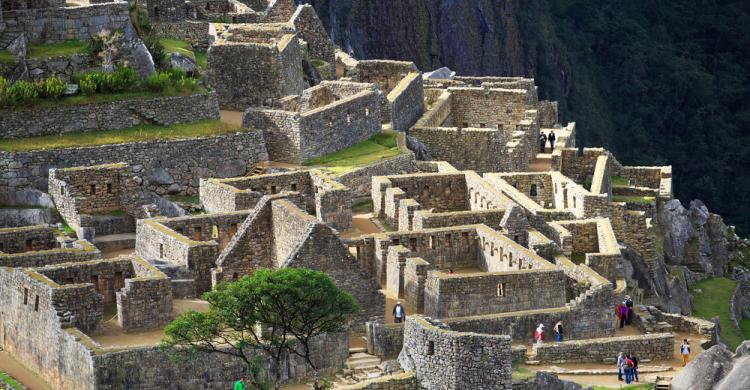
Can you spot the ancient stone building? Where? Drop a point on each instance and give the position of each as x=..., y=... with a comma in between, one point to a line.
x=326, y=118
x=255, y=65
x=325, y=198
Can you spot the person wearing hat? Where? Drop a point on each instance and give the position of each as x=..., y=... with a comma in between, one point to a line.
x=631, y=312
x=398, y=313
x=622, y=314
x=539, y=334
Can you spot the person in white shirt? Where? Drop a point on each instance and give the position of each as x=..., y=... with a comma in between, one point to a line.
x=398, y=312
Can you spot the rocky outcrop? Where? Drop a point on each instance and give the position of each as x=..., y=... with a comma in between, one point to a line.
x=716, y=369
x=546, y=381
x=420, y=150
x=695, y=237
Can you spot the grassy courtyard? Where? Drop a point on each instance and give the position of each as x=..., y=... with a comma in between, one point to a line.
x=134, y=134
x=713, y=300
x=634, y=199
x=66, y=48
x=9, y=382
x=380, y=146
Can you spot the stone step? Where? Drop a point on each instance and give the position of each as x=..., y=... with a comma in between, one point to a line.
x=357, y=350
x=362, y=362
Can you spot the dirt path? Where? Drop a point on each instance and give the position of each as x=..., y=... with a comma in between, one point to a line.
x=231, y=117
x=21, y=373
x=361, y=224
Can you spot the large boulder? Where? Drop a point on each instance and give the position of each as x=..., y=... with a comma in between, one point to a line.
x=695, y=237
x=705, y=371
x=547, y=381
x=420, y=150
x=187, y=64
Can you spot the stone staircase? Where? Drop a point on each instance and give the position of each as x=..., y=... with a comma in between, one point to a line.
x=663, y=383
x=360, y=366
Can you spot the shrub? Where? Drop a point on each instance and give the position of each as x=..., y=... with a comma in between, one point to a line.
x=158, y=81
x=157, y=51
x=123, y=79
x=186, y=84
x=54, y=87
x=87, y=85
x=4, y=92
x=23, y=92
x=176, y=74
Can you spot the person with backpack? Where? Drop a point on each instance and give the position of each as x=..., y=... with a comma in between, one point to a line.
x=628, y=370
x=542, y=141
x=631, y=312
x=558, y=329
x=539, y=334
x=634, y=370
x=685, y=352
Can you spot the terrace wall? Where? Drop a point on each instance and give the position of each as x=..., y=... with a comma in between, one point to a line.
x=658, y=346
x=122, y=114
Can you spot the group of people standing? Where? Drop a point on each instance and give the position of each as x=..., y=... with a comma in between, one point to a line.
x=543, y=139
x=625, y=312
x=627, y=365
x=539, y=334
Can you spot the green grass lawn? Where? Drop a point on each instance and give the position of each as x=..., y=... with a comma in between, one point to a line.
x=633, y=199
x=619, y=181
x=178, y=46
x=6, y=56
x=522, y=373
x=12, y=382
x=380, y=146
x=97, y=98
x=66, y=48
x=713, y=300
x=363, y=206
x=642, y=386
x=204, y=128
x=578, y=257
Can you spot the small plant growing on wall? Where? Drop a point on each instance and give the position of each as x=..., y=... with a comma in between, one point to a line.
x=107, y=42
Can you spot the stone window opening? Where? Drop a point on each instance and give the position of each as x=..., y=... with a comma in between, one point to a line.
x=499, y=126
x=161, y=251
x=119, y=281
x=214, y=231
x=197, y=234
x=29, y=244
x=430, y=348
x=208, y=6
x=501, y=289
x=574, y=202
x=294, y=186
x=413, y=243
x=235, y=276
x=179, y=230
x=2, y=246
x=25, y=296
x=109, y=188
x=465, y=124
x=234, y=19
x=482, y=125
x=517, y=238
x=395, y=241
x=36, y=303
x=273, y=189
x=532, y=191
x=92, y=189
x=448, y=241
x=433, y=242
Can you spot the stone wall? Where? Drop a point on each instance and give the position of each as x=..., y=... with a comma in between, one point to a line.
x=486, y=293
x=63, y=67
x=657, y=346
x=359, y=180
x=427, y=220
x=49, y=25
x=256, y=71
x=384, y=340
x=407, y=102
x=145, y=301
x=163, y=166
x=445, y=359
x=81, y=250
x=310, y=28
x=403, y=381
x=349, y=114
x=193, y=32
x=476, y=149
x=27, y=239
x=164, y=111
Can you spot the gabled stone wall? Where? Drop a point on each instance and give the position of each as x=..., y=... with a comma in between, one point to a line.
x=27, y=239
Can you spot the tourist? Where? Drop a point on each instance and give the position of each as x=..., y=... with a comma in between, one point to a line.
x=558, y=329
x=634, y=369
x=628, y=370
x=685, y=352
x=398, y=313
x=542, y=141
x=551, y=137
x=539, y=334
x=631, y=312
x=620, y=365
x=240, y=384
x=450, y=271
x=622, y=314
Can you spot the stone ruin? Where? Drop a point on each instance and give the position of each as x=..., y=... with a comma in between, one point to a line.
x=465, y=241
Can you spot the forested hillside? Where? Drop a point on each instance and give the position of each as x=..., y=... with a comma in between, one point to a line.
x=656, y=82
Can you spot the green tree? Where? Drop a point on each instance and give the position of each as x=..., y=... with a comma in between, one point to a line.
x=276, y=311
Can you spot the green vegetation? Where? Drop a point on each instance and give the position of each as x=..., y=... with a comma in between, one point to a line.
x=67, y=229
x=10, y=381
x=380, y=146
x=110, y=312
x=634, y=199
x=521, y=373
x=97, y=87
x=578, y=257
x=7, y=57
x=712, y=301
x=182, y=47
x=362, y=206
x=745, y=328
x=619, y=181
x=134, y=134
x=66, y=48
x=293, y=305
